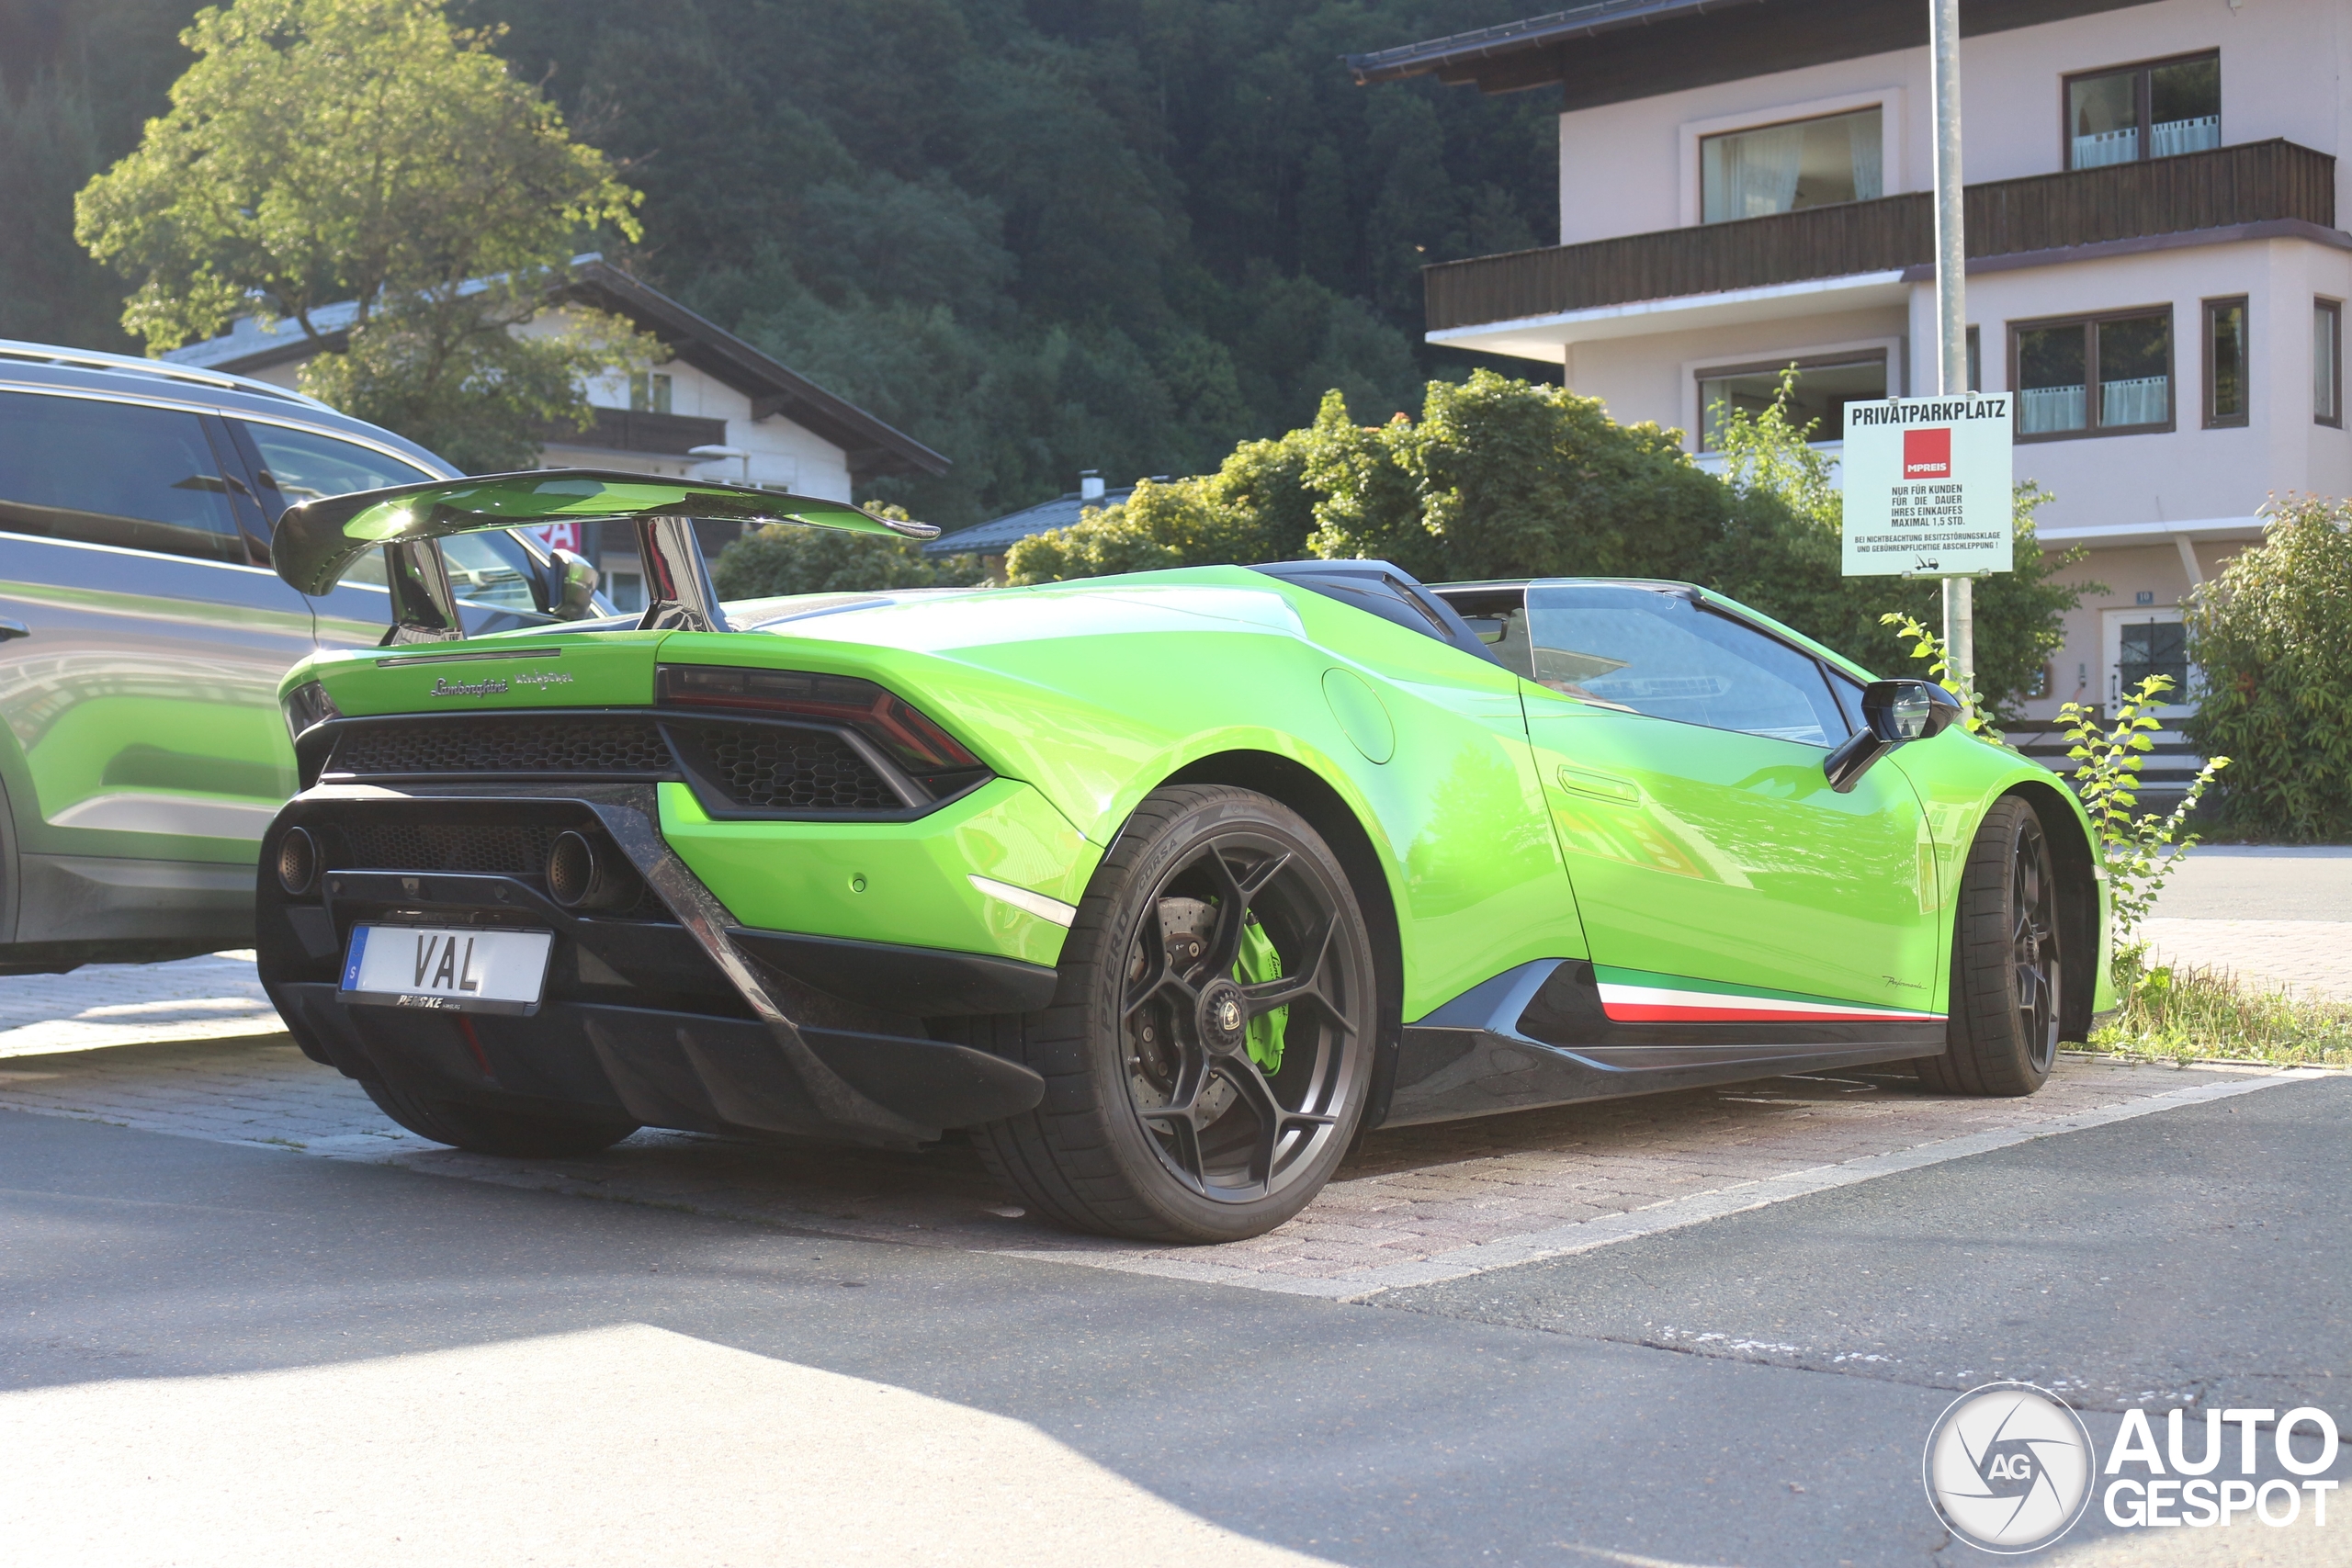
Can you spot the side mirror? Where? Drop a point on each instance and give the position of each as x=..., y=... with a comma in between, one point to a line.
x=579, y=599
x=1893, y=713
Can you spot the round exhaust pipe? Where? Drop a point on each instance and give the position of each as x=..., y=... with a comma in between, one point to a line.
x=583, y=876
x=298, y=861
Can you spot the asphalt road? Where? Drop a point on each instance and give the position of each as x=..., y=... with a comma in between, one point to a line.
x=210, y=1353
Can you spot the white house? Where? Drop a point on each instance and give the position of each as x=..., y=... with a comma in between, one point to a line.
x=715, y=390
x=2156, y=266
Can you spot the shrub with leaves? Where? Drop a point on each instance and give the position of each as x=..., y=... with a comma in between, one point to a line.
x=786, y=558
x=2139, y=851
x=2273, y=637
x=1256, y=507
x=1929, y=646
x=1502, y=478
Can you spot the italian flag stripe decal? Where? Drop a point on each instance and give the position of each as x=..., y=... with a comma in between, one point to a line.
x=1633, y=996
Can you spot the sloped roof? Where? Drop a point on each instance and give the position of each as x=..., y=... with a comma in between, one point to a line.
x=1608, y=52
x=872, y=447
x=1000, y=534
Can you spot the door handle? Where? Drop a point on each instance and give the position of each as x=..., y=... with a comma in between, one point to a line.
x=9, y=628
x=1602, y=786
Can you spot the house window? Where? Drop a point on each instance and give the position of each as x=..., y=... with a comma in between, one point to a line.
x=2226, y=397
x=649, y=392
x=1782, y=168
x=2104, y=375
x=1824, y=386
x=2137, y=112
x=1975, y=361
x=2327, y=362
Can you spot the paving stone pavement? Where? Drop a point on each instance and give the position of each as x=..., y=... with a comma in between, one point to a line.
x=1405, y=1196
x=212, y=998
x=2309, y=958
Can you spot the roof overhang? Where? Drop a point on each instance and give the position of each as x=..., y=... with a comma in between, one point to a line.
x=2108, y=535
x=1613, y=51
x=1547, y=337
x=871, y=446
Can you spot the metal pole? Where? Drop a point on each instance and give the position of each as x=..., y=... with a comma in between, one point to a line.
x=1951, y=289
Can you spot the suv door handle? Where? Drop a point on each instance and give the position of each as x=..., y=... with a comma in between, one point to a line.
x=9, y=628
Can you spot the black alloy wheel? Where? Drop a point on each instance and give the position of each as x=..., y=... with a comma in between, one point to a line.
x=1209, y=1054
x=2008, y=963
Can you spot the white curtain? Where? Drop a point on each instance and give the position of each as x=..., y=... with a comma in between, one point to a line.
x=1869, y=179
x=2171, y=137
x=2044, y=409
x=2142, y=399
x=1752, y=174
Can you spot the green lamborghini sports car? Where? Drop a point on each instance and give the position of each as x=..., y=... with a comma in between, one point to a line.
x=1165, y=887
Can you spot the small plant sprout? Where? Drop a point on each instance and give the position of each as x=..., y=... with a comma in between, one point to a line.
x=2139, y=851
x=1927, y=645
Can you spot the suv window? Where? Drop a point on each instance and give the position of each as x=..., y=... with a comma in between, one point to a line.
x=1661, y=654
x=106, y=473
x=297, y=465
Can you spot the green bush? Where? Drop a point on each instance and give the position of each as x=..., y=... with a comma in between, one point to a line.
x=786, y=558
x=2272, y=636
x=1254, y=507
x=1503, y=478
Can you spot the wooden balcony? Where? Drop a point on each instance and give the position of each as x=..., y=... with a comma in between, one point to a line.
x=2229, y=187
x=638, y=430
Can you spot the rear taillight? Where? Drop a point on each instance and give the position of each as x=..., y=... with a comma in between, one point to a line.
x=926, y=751
x=306, y=707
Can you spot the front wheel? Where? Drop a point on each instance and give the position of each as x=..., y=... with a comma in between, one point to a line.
x=1209, y=1052
x=2005, y=962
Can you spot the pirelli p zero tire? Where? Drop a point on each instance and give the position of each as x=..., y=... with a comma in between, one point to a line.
x=510, y=1133
x=2006, y=968
x=1208, y=1053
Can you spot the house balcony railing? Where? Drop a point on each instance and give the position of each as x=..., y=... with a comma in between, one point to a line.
x=2225, y=188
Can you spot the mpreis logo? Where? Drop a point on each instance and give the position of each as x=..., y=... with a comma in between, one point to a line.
x=1927, y=454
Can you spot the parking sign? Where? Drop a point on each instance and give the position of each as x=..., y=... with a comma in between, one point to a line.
x=1928, y=487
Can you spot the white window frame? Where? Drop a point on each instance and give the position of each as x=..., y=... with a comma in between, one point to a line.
x=1888, y=101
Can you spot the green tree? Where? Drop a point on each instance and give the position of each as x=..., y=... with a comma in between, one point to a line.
x=368, y=151
x=2272, y=636
x=786, y=558
x=1501, y=478
x=1256, y=507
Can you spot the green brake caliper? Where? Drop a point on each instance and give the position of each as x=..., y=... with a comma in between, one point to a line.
x=1256, y=964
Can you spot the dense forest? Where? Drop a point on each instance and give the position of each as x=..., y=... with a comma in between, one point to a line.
x=1039, y=235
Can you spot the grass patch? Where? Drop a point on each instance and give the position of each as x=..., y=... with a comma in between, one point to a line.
x=2197, y=1013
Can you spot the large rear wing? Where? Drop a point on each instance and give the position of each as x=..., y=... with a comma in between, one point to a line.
x=316, y=542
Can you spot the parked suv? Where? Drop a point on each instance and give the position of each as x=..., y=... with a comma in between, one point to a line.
x=142, y=633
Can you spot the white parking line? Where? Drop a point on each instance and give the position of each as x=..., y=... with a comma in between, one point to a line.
x=1607, y=1231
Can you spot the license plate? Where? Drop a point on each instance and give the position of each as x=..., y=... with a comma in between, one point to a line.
x=443, y=968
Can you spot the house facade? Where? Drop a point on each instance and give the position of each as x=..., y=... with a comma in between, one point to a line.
x=774, y=427
x=2155, y=268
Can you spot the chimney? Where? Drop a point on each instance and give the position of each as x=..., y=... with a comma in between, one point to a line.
x=1090, y=485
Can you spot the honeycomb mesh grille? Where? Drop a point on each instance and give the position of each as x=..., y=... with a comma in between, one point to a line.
x=486, y=848
x=562, y=746
x=772, y=768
